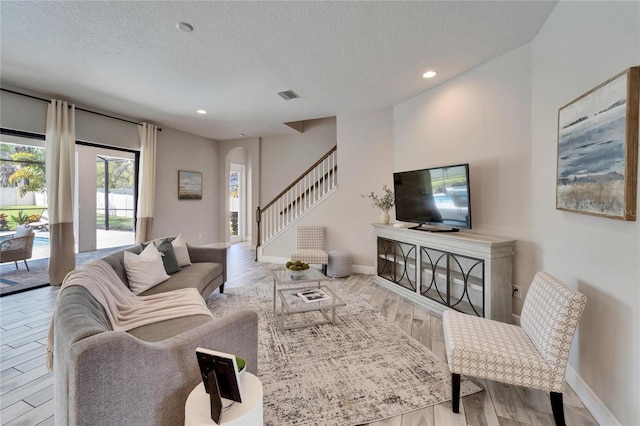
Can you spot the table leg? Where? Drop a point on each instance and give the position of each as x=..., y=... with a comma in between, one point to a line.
x=282, y=320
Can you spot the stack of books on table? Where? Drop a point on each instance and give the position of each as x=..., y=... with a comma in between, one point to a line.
x=313, y=295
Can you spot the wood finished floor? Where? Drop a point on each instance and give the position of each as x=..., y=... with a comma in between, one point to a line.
x=26, y=387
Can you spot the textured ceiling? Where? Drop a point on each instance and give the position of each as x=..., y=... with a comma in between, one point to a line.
x=128, y=57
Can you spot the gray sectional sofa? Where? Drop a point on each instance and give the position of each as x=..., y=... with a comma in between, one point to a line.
x=143, y=376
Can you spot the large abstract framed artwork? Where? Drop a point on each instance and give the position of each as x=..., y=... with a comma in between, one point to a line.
x=598, y=149
x=189, y=185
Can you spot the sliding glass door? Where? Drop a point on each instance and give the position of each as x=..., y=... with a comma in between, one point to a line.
x=23, y=198
x=105, y=197
x=115, y=200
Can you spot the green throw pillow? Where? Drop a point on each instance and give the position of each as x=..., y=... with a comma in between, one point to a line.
x=169, y=259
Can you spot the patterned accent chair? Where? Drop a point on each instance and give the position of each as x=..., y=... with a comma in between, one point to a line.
x=310, y=246
x=533, y=355
x=19, y=247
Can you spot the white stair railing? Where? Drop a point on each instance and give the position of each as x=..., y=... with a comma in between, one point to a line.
x=299, y=197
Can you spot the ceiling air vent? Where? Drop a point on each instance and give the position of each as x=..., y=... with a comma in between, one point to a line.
x=287, y=95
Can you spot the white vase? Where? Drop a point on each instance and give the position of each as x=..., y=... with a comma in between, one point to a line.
x=384, y=217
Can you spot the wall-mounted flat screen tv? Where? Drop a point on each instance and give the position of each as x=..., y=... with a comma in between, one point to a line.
x=438, y=199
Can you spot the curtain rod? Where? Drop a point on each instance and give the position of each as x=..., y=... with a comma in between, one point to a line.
x=78, y=108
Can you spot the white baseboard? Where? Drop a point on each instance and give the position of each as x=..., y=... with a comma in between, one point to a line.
x=217, y=245
x=274, y=259
x=362, y=269
x=515, y=319
x=590, y=400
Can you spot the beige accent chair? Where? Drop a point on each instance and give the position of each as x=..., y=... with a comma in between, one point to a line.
x=19, y=247
x=310, y=246
x=532, y=355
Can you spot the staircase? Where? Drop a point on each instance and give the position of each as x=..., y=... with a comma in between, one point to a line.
x=315, y=184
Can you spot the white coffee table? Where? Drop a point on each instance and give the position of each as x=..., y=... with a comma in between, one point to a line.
x=292, y=304
x=282, y=279
x=197, y=409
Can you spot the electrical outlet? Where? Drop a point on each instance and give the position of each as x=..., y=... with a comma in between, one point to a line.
x=517, y=292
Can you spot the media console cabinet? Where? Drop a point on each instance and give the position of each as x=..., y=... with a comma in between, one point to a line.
x=468, y=272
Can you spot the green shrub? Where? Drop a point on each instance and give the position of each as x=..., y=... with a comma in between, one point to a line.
x=21, y=218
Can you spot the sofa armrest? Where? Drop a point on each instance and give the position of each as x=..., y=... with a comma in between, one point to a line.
x=199, y=254
x=116, y=378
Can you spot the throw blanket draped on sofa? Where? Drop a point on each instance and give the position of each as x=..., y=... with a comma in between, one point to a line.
x=124, y=309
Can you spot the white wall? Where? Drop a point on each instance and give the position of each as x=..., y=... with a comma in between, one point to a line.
x=284, y=158
x=273, y=163
x=581, y=45
x=480, y=118
x=364, y=164
x=197, y=220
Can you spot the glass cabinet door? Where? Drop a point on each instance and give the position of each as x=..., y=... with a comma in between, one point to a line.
x=397, y=262
x=453, y=280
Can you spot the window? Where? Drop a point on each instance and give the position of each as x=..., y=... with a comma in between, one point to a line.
x=22, y=184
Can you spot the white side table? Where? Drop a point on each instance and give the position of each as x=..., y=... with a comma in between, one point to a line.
x=197, y=410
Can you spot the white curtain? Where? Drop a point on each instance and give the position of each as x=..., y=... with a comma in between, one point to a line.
x=60, y=171
x=147, y=182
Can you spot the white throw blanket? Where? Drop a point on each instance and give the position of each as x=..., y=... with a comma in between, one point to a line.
x=124, y=309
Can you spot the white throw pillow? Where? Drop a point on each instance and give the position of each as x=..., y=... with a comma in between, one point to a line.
x=181, y=251
x=144, y=270
x=23, y=231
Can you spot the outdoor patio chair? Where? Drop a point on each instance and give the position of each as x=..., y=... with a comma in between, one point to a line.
x=42, y=223
x=533, y=355
x=19, y=247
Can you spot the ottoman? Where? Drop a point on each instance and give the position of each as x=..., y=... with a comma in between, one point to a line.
x=339, y=264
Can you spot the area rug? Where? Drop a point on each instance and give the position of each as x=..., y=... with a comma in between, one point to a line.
x=361, y=370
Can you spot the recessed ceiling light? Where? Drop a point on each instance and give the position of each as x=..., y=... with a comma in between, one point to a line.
x=201, y=111
x=184, y=27
x=429, y=74
x=240, y=134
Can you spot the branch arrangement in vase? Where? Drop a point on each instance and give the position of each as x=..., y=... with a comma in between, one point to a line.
x=385, y=202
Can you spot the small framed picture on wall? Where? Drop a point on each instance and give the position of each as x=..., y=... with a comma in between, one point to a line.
x=189, y=185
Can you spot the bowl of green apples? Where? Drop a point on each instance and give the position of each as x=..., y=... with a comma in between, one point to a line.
x=296, y=268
